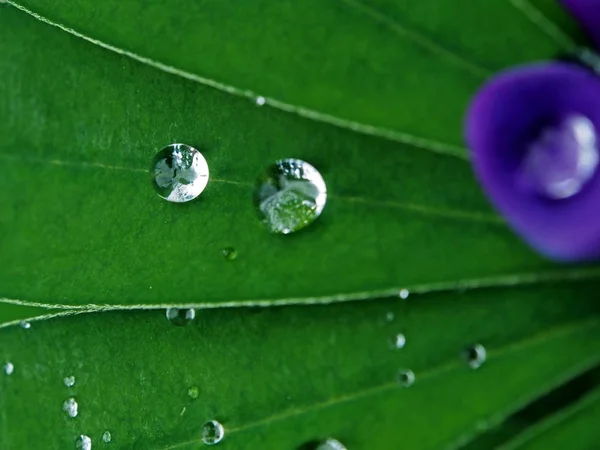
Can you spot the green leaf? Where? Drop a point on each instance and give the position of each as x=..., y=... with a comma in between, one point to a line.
x=277, y=378
x=81, y=225
x=388, y=67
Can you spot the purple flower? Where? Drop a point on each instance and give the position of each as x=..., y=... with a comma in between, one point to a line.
x=587, y=13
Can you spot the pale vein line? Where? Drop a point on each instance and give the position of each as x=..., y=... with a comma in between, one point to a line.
x=404, y=138
x=545, y=24
x=512, y=280
x=427, y=211
x=44, y=317
x=419, y=39
x=552, y=334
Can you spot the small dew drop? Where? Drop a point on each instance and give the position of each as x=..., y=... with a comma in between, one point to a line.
x=212, y=432
x=70, y=406
x=84, y=443
x=406, y=378
x=229, y=253
x=403, y=294
x=106, y=436
x=25, y=325
x=260, y=101
x=180, y=317
x=475, y=356
x=389, y=317
x=9, y=368
x=69, y=381
x=331, y=444
x=289, y=195
x=179, y=173
x=399, y=341
x=193, y=392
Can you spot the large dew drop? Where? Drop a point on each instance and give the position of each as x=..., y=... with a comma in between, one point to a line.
x=9, y=368
x=84, y=443
x=475, y=356
x=406, y=378
x=71, y=407
x=290, y=195
x=331, y=444
x=179, y=173
x=212, y=432
x=180, y=317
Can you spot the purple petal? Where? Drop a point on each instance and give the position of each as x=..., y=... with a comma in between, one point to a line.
x=515, y=115
x=587, y=13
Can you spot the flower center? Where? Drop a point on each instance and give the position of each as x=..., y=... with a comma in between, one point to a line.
x=562, y=159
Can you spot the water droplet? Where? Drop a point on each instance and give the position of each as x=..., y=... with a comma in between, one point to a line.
x=403, y=294
x=212, y=432
x=563, y=159
x=475, y=356
x=260, y=101
x=9, y=368
x=406, y=378
x=25, y=325
x=179, y=173
x=70, y=406
x=290, y=195
x=331, y=444
x=193, y=392
x=69, y=381
x=229, y=253
x=390, y=316
x=399, y=341
x=84, y=442
x=106, y=436
x=180, y=317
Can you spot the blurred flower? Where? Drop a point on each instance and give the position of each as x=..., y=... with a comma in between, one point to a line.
x=587, y=13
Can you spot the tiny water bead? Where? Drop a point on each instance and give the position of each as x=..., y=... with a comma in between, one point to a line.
x=406, y=378
x=229, y=253
x=69, y=381
x=260, y=101
x=289, y=195
x=475, y=356
x=389, y=316
x=563, y=159
x=25, y=325
x=399, y=341
x=71, y=407
x=9, y=368
x=331, y=444
x=193, y=392
x=212, y=432
x=83, y=443
x=106, y=436
x=179, y=173
x=180, y=317
x=404, y=293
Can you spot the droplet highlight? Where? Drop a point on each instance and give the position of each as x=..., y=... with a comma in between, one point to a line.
x=406, y=378
x=563, y=159
x=83, y=442
x=71, y=407
x=289, y=195
x=331, y=444
x=69, y=381
x=229, y=253
x=179, y=173
x=475, y=356
x=212, y=432
x=180, y=317
x=9, y=368
x=25, y=325
x=106, y=436
x=399, y=341
x=404, y=293
x=260, y=101
x=193, y=392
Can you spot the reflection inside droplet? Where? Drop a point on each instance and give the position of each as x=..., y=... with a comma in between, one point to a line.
x=179, y=173
x=212, y=432
x=406, y=378
x=25, y=325
x=290, y=195
x=399, y=341
x=180, y=317
x=331, y=444
x=561, y=161
x=475, y=356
